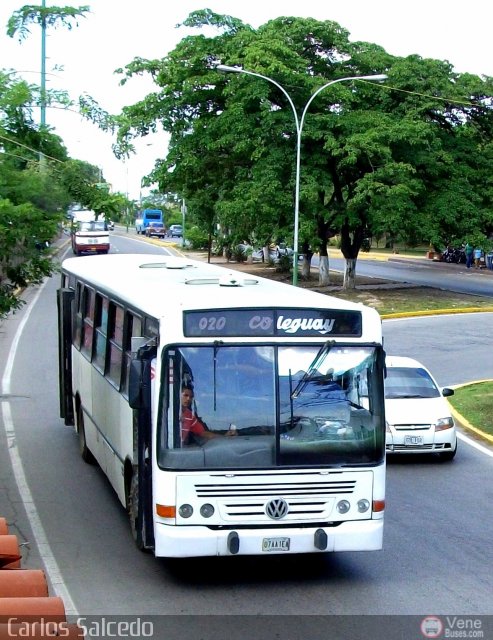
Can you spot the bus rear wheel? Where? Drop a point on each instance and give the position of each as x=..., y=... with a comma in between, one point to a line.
x=85, y=453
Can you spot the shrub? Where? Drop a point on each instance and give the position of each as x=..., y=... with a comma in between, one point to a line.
x=197, y=238
x=284, y=263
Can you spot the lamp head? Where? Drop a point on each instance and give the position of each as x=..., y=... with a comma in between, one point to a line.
x=226, y=68
x=379, y=77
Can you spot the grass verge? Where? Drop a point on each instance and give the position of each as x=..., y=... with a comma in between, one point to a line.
x=387, y=297
x=475, y=403
x=412, y=300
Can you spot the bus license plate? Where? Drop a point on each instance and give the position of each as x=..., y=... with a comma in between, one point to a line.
x=413, y=440
x=275, y=544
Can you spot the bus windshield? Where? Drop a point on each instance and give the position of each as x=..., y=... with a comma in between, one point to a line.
x=270, y=406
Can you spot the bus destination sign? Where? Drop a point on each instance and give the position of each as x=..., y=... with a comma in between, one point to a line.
x=272, y=323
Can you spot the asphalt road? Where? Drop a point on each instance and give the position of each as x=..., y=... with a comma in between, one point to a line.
x=437, y=553
x=453, y=277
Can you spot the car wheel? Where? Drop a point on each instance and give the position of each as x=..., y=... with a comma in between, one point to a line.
x=448, y=455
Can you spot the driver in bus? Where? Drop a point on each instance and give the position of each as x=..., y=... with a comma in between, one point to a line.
x=192, y=424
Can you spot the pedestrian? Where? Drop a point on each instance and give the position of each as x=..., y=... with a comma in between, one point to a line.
x=469, y=254
x=477, y=257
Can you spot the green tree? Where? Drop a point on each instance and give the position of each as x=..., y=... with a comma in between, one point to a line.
x=34, y=195
x=40, y=15
x=412, y=158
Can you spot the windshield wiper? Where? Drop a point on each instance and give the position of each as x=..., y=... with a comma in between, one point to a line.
x=217, y=345
x=314, y=365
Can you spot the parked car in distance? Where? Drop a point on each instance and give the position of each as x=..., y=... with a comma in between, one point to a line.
x=155, y=229
x=176, y=231
x=418, y=417
x=111, y=225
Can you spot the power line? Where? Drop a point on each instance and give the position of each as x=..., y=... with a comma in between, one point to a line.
x=25, y=146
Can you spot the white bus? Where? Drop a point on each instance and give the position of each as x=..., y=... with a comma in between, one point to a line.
x=295, y=376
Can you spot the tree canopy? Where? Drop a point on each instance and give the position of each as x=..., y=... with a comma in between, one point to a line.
x=38, y=181
x=52, y=16
x=411, y=158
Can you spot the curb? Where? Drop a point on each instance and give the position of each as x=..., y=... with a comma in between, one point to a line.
x=26, y=608
x=436, y=312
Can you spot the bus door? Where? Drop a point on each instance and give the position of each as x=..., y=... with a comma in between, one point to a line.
x=65, y=299
x=140, y=503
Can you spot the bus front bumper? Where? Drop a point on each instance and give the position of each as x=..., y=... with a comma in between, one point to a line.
x=194, y=541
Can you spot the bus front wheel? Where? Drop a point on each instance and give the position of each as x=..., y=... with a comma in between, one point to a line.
x=85, y=453
x=136, y=526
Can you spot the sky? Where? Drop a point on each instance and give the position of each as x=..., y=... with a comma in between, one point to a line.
x=83, y=59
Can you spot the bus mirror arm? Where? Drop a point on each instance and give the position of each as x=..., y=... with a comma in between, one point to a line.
x=135, y=396
x=139, y=382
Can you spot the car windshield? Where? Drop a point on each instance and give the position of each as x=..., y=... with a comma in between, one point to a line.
x=334, y=418
x=407, y=382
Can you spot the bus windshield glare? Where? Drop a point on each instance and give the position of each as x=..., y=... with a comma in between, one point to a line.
x=313, y=405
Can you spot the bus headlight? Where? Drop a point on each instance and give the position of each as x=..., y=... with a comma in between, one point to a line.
x=185, y=510
x=363, y=505
x=206, y=510
x=343, y=506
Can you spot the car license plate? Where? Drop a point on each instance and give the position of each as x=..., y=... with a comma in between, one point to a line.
x=275, y=544
x=413, y=441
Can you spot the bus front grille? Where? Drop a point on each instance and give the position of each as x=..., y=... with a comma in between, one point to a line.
x=285, y=489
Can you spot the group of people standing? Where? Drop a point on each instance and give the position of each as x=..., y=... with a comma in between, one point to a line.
x=473, y=256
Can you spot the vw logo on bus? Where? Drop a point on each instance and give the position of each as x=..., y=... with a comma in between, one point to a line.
x=277, y=508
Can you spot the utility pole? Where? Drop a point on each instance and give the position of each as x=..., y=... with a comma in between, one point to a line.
x=42, y=120
x=43, y=64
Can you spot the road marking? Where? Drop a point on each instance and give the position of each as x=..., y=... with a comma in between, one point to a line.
x=475, y=444
x=47, y=556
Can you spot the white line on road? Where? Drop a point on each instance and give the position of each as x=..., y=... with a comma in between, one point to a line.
x=47, y=557
x=475, y=444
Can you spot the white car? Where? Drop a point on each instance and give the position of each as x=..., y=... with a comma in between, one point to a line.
x=418, y=417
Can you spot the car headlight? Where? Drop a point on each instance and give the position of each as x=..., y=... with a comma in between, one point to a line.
x=444, y=423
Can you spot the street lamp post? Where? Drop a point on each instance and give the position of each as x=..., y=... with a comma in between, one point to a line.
x=183, y=214
x=299, y=122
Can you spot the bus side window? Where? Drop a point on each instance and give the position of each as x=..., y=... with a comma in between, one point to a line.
x=133, y=330
x=100, y=332
x=88, y=321
x=115, y=331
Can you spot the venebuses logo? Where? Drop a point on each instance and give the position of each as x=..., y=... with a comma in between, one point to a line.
x=431, y=627
x=452, y=627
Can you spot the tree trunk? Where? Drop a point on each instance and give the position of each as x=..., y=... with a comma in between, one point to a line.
x=350, y=274
x=323, y=271
x=305, y=268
